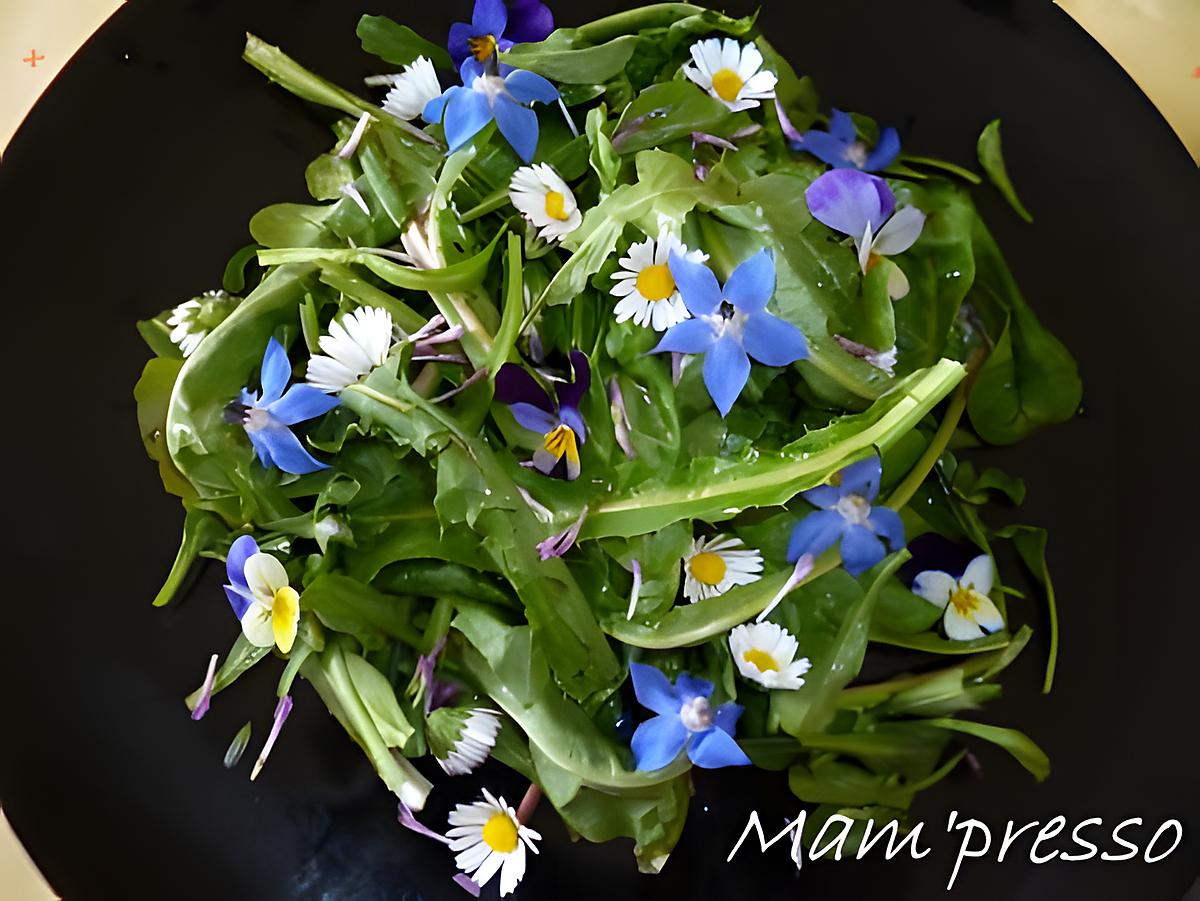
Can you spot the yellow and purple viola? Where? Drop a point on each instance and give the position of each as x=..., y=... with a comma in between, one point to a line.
x=556, y=419
x=496, y=26
x=261, y=596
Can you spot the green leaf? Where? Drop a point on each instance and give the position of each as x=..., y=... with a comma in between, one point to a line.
x=379, y=699
x=201, y=531
x=1029, y=379
x=347, y=605
x=668, y=112
x=285, y=71
x=398, y=44
x=991, y=158
x=841, y=614
x=242, y=656
x=153, y=396
x=1019, y=745
x=715, y=489
x=1030, y=542
x=560, y=59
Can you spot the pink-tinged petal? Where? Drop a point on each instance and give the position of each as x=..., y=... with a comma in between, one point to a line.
x=557, y=545
x=465, y=882
x=804, y=566
x=409, y=820
x=206, y=690
x=282, y=709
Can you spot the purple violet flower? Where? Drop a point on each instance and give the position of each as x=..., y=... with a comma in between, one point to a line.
x=559, y=422
x=847, y=516
x=685, y=720
x=731, y=324
x=840, y=147
x=495, y=26
x=266, y=417
x=861, y=206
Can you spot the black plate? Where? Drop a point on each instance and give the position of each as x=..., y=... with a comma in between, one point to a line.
x=132, y=182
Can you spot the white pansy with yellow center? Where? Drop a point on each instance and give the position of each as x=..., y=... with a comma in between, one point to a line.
x=487, y=837
x=543, y=198
x=731, y=72
x=414, y=87
x=715, y=565
x=649, y=295
x=353, y=348
x=766, y=653
x=970, y=613
x=273, y=613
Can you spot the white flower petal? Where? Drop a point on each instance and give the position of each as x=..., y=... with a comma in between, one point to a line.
x=979, y=575
x=934, y=586
x=412, y=89
x=900, y=232
x=959, y=627
x=265, y=575
x=257, y=627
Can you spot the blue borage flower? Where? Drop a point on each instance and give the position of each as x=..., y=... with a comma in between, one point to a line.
x=559, y=423
x=846, y=516
x=731, y=324
x=496, y=26
x=841, y=148
x=261, y=595
x=489, y=92
x=685, y=720
x=266, y=416
x=861, y=206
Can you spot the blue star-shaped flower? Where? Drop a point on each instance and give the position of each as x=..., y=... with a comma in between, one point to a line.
x=731, y=324
x=685, y=720
x=266, y=417
x=846, y=516
x=485, y=95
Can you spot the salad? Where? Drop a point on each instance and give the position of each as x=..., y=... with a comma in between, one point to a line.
x=611, y=403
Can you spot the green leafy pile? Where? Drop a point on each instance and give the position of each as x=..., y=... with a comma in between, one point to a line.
x=426, y=525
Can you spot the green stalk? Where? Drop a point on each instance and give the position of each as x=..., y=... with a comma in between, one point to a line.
x=657, y=15
x=916, y=476
x=328, y=674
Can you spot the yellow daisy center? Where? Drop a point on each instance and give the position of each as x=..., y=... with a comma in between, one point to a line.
x=965, y=600
x=500, y=833
x=556, y=206
x=708, y=568
x=761, y=660
x=727, y=83
x=482, y=47
x=656, y=282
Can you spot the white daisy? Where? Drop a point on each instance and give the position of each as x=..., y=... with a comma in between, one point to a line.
x=649, y=295
x=714, y=565
x=355, y=346
x=461, y=739
x=731, y=72
x=191, y=321
x=414, y=87
x=766, y=653
x=970, y=613
x=544, y=199
x=488, y=838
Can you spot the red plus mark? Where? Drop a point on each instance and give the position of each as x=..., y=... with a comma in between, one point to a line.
x=33, y=59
